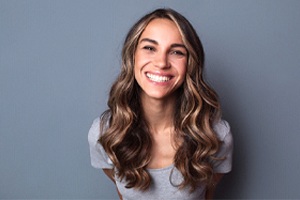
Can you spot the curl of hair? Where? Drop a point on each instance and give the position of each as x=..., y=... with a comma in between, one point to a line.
x=126, y=138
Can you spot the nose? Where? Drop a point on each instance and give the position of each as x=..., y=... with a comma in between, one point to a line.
x=161, y=60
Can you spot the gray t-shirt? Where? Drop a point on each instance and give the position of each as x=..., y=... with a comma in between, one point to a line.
x=164, y=179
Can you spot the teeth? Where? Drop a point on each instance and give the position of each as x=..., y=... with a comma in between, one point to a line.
x=157, y=78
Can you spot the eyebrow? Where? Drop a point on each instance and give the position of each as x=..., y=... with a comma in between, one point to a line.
x=156, y=43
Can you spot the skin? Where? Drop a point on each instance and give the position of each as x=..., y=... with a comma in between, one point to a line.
x=160, y=52
x=160, y=69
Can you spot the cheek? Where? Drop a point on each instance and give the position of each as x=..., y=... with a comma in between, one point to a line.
x=135, y=64
x=183, y=68
x=137, y=61
x=135, y=70
x=182, y=72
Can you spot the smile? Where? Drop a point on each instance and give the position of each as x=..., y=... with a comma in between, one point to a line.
x=157, y=78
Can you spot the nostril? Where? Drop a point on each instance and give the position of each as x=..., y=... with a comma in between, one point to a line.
x=162, y=62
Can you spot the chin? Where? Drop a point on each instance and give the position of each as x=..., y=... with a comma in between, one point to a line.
x=158, y=96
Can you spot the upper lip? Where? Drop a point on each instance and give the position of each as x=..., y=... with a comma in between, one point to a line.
x=159, y=74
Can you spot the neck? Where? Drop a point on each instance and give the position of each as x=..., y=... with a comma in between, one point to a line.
x=159, y=114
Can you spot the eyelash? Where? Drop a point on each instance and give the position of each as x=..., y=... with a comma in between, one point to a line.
x=175, y=52
x=149, y=48
x=180, y=53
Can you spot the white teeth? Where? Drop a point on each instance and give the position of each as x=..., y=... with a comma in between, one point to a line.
x=157, y=78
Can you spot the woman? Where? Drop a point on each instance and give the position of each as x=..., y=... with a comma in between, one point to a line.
x=162, y=136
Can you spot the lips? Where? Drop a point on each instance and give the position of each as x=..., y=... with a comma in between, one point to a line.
x=158, y=78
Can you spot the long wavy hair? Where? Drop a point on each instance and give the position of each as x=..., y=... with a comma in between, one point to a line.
x=125, y=135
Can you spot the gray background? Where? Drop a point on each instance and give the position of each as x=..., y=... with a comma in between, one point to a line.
x=58, y=59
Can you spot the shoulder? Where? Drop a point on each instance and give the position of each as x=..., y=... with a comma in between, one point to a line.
x=94, y=132
x=99, y=158
x=222, y=130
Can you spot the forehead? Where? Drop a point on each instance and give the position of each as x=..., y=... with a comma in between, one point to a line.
x=162, y=29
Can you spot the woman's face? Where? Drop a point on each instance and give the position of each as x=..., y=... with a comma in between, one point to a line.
x=160, y=59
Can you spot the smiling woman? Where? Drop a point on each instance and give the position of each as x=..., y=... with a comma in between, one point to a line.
x=162, y=136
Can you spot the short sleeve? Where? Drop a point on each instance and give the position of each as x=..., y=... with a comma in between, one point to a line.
x=224, y=165
x=99, y=158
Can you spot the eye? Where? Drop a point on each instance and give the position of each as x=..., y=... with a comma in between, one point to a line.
x=149, y=48
x=178, y=52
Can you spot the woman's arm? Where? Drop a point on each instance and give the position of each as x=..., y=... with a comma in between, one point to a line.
x=110, y=173
x=211, y=190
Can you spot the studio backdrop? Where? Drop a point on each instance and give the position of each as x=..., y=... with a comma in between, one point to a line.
x=58, y=59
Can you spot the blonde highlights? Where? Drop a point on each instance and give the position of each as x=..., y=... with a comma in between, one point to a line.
x=125, y=135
